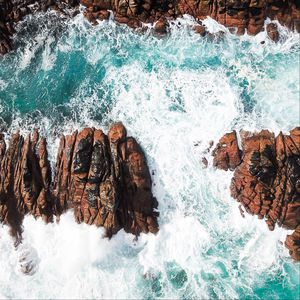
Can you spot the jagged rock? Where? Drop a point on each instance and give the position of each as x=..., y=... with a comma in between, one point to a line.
x=24, y=181
x=137, y=203
x=272, y=31
x=266, y=179
x=227, y=154
x=292, y=242
x=12, y=11
x=104, y=179
x=200, y=29
x=238, y=16
x=161, y=26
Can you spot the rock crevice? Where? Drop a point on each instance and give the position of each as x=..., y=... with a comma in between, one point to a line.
x=238, y=15
x=103, y=178
x=266, y=178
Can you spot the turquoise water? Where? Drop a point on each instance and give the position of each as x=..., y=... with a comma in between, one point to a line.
x=175, y=94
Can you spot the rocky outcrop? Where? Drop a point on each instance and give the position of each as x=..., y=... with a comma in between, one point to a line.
x=266, y=180
x=24, y=181
x=104, y=179
x=292, y=242
x=12, y=11
x=227, y=154
x=244, y=14
x=238, y=15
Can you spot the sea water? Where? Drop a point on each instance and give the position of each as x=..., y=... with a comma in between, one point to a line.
x=175, y=94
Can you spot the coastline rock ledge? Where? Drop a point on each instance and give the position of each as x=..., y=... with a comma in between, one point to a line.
x=238, y=15
x=266, y=178
x=103, y=178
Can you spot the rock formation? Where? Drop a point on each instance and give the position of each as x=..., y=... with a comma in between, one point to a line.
x=238, y=15
x=266, y=180
x=12, y=11
x=227, y=154
x=104, y=179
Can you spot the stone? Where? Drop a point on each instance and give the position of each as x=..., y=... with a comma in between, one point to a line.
x=200, y=29
x=272, y=31
x=292, y=242
x=161, y=26
x=227, y=155
x=266, y=181
x=103, y=178
x=24, y=182
x=238, y=16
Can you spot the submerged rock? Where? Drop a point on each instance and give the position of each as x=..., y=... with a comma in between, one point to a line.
x=104, y=179
x=200, y=29
x=266, y=180
x=28, y=259
x=272, y=31
x=161, y=26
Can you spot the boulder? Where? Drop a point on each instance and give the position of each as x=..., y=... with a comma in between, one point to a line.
x=161, y=26
x=24, y=181
x=104, y=179
x=200, y=29
x=227, y=154
x=272, y=31
x=266, y=180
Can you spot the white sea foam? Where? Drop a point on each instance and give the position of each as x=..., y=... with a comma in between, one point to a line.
x=3, y=85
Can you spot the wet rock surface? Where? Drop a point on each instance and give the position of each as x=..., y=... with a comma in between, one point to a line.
x=12, y=11
x=227, y=154
x=103, y=178
x=24, y=181
x=266, y=180
x=238, y=15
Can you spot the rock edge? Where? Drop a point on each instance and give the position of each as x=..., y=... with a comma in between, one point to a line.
x=237, y=15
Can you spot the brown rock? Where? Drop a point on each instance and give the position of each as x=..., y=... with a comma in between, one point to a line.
x=137, y=202
x=227, y=154
x=200, y=29
x=238, y=16
x=161, y=26
x=105, y=179
x=272, y=31
x=63, y=171
x=24, y=182
x=267, y=181
x=117, y=133
x=292, y=242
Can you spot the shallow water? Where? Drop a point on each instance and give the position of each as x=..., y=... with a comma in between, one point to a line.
x=174, y=94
